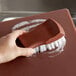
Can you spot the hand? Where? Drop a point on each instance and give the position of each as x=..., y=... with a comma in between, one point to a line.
x=9, y=50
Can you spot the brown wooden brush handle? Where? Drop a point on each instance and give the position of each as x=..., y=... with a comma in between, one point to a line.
x=45, y=33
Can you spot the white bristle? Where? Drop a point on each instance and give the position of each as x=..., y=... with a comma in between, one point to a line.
x=43, y=48
x=63, y=40
x=20, y=24
x=56, y=43
x=37, y=20
x=59, y=42
x=49, y=47
x=52, y=45
x=36, y=49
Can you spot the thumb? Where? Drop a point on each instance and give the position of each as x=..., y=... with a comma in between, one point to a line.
x=16, y=33
x=26, y=52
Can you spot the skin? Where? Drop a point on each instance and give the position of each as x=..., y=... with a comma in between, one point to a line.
x=9, y=50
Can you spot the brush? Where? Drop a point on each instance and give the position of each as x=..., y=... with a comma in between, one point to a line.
x=42, y=35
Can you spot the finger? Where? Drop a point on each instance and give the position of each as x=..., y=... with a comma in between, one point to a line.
x=14, y=35
x=17, y=33
x=26, y=52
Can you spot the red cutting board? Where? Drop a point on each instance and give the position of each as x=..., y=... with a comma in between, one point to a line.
x=41, y=65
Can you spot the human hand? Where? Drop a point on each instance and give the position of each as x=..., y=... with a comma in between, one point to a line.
x=9, y=50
